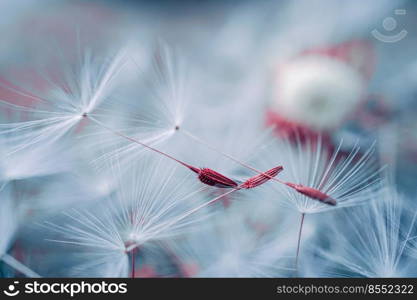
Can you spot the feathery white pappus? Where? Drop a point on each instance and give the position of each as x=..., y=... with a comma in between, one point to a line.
x=150, y=109
x=372, y=240
x=155, y=200
x=145, y=160
x=74, y=90
x=345, y=177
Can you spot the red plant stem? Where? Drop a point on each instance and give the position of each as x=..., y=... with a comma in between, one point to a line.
x=309, y=192
x=132, y=255
x=208, y=176
x=205, y=175
x=140, y=143
x=299, y=242
x=189, y=134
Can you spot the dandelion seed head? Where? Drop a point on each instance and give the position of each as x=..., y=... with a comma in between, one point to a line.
x=347, y=180
x=98, y=136
x=74, y=91
x=146, y=207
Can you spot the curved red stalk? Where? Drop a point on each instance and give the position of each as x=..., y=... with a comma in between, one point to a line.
x=205, y=175
x=213, y=178
x=265, y=176
x=312, y=193
x=132, y=253
x=261, y=178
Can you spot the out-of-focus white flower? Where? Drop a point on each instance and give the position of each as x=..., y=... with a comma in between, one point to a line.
x=317, y=91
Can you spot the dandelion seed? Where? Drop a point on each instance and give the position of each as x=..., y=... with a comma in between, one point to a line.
x=149, y=206
x=314, y=173
x=312, y=193
x=205, y=175
x=156, y=112
x=261, y=178
x=71, y=96
x=323, y=179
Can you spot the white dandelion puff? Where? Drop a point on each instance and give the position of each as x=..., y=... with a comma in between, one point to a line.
x=158, y=108
x=345, y=177
x=372, y=240
x=77, y=90
x=148, y=206
x=315, y=177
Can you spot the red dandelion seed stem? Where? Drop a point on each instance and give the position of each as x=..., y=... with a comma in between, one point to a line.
x=312, y=193
x=205, y=175
x=132, y=253
x=197, y=139
x=218, y=180
x=307, y=191
x=213, y=178
x=261, y=178
x=138, y=142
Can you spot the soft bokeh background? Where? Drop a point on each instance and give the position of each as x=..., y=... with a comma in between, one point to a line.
x=335, y=69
